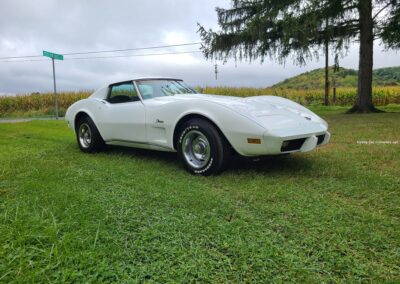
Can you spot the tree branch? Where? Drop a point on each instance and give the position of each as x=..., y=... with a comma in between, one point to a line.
x=380, y=11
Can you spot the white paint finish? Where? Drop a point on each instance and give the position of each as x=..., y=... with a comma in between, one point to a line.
x=151, y=123
x=100, y=93
x=123, y=121
x=170, y=110
x=309, y=144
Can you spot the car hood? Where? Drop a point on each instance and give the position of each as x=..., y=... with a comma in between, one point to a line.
x=261, y=108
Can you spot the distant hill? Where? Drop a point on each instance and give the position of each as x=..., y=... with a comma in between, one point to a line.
x=344, y=78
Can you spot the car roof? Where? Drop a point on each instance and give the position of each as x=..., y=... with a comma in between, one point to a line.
x=146, y=79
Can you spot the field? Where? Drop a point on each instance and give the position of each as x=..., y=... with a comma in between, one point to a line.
x=382, y=96
x=43, y=104
x=135, y=216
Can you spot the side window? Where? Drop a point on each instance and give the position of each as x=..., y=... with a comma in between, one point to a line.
x=122, y=93
x=147, y=91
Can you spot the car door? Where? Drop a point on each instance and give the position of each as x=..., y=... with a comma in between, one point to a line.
x=124, y=117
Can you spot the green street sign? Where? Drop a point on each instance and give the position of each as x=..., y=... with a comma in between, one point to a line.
x=53, y=55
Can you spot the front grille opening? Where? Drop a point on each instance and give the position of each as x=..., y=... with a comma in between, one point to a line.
x=321, y=139
x=292, y=145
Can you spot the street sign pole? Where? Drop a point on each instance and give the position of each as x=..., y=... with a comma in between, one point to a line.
x=55, y=90
x=58, y=57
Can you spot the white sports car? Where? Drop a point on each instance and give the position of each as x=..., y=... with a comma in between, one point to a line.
x=167, y=115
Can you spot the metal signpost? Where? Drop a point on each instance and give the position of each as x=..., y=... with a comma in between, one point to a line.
x=57, y=57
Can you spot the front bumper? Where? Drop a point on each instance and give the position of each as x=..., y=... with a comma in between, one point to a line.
x=282, y=141
x=305, y=144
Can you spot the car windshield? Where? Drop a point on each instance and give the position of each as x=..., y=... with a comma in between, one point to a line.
x=160, y=88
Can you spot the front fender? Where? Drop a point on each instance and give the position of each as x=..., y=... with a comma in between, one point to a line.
x=86, y=106
x=234, y=126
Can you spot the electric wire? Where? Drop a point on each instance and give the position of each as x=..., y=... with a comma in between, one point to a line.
x=105, y=57
x=106, y=51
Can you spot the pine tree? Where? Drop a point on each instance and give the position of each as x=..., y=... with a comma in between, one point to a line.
x=255, y=29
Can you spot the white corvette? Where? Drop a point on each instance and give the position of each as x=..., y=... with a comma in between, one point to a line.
x=167, y=115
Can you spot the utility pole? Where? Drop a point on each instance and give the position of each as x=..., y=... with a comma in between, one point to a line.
x=216, y=71
x=326, y=98
x=58, y=57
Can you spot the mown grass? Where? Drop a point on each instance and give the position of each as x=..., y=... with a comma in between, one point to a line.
x=42, y=105
x=136, y=216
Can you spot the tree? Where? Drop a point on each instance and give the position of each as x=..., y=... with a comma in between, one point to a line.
x=253, y=29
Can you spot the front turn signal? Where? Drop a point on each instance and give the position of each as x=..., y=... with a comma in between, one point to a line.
x=253, y=141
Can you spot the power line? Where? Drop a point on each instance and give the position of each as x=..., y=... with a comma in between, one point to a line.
x=24, y=60
x=135, y=55
x=132, y=49
x=107, y=51
x=105, y=57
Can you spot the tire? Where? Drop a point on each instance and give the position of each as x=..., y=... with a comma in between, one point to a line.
x=88, y=136
x=202, y=148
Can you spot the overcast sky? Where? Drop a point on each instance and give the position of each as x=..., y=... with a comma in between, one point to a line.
x=28, y=27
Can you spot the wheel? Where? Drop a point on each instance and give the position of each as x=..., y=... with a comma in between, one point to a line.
x=88, y=137
x=202, y=148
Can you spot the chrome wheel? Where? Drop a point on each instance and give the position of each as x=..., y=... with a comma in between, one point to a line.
x=85, y=135
x=196, y=149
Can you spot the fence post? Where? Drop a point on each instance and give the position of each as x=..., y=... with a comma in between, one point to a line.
x=334, y=95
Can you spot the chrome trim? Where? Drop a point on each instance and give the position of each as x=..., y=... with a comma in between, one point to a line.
x=137, y=90
x=85, y=135
x=196, y=149
x=138, y=143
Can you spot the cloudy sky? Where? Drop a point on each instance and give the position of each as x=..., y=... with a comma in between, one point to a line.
x=28, y=27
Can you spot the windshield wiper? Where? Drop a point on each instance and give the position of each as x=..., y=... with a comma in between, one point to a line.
x=186, y=88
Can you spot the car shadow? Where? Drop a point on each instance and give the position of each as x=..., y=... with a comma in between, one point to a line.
x=167, y=157
x=283, y=164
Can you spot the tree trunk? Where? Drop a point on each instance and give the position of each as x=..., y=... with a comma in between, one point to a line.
x=326, y=98
x=364, y=94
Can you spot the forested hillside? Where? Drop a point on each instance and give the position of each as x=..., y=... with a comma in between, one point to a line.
x=342, y=78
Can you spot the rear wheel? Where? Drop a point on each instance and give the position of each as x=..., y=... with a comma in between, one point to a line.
x=88, y=136
x=201, y=147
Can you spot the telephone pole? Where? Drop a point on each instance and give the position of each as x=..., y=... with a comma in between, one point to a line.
x=327, y=84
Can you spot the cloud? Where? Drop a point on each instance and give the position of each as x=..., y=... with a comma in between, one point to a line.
x=28, y=27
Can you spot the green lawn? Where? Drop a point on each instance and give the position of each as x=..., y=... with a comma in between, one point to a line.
x=136, y=216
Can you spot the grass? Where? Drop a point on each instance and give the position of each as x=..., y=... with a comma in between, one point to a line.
x=126, y=215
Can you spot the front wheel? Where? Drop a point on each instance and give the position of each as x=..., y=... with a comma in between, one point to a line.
x=202, y=148
x=88, y=137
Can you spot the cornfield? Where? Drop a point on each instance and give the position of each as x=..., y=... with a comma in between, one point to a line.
x=38, y=104
x=344, y=96
x=43, y=104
